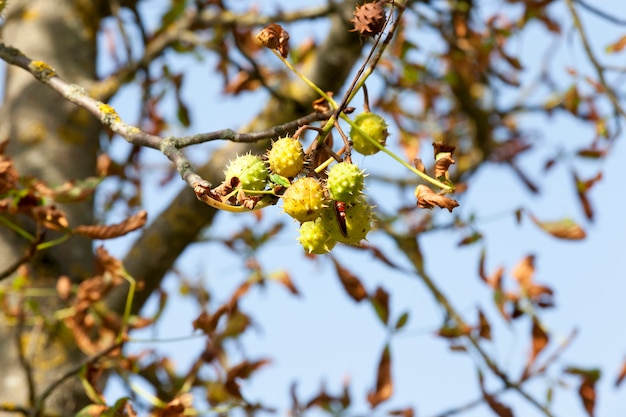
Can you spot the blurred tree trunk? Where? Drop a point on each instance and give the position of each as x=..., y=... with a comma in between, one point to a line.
x=55, y=141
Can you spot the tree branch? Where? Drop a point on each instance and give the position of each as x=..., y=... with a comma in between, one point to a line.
x=179, y=224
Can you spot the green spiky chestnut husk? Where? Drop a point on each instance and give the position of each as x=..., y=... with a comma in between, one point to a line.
x=314, y=237
x=304, y=200
x=345, y=182
x=358, y=222
x=286, y=157
x=250, y=170
x=375, y=127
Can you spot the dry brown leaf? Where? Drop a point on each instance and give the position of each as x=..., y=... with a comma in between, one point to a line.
x=176, y=407
x=427, y=198
x=115, y=230
x=273, y=36
x=540, y=341
x=442, y=165
x=380, y=302
x=384, y=383
x=440, y=149
x=350, y=282
x=582, y=187
x=484, y=328
x=617, y=46
x=8, y=175
x=587, y=392
x=566, y=229
x=51, y=217
x=407, y=412
x=496, y=406
x=244, y=369
x=108, y=263
x=70, y=191
x=622, y=375
x=419, y=165
x=202, y=322
x=242, y=81
x=452, y=332
x=524, y=272
x=284, y=278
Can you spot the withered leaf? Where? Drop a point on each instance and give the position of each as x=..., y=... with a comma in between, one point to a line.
x=539, y=342
x=499, y=408
x=419, y=165
x=50, y=216
x=203, y=322
x=8, y=174
x=284, y=278
x=237, y=323
x=380, y=302
x=471, y=238
x=402, y=321
x=427, y=198
x=592, y=153
x=440, y=148
x=442, y=165
x=524, y=271
x=566, y=229
x=243, y=81
x=350, y=282
x=587, y=392
x=178, y=407
x=407, y=412
x=617, y=46
x=71, y=191
x=239, y=292
x=244, y=369
x=273, y=36
x=384, y=383
x=622, y=375
x=582, y=187
x=328, y=402
x=377, y=253
x=452, y=332
x=115, y=230
x=484, y=328
x=321, y=104
x=108, y=263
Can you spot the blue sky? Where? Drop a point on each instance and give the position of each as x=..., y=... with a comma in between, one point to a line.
x=323, y=337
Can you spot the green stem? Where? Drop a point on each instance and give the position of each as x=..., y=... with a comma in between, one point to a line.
x=51, y=243
x=425, y=177
x=16, y=228
x=127, y=308
x=310, y=83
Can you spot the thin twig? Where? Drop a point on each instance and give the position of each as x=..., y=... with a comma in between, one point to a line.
x=28, y=254
x=24, y=362
x=594, y=62
x=231, y=135
x=106, y=88
x=409, y=245
x=610, y=17
x=41, y=399
x=169, y=146
x=372, y=59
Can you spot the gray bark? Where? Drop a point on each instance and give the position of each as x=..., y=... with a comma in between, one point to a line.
x=56, y=141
